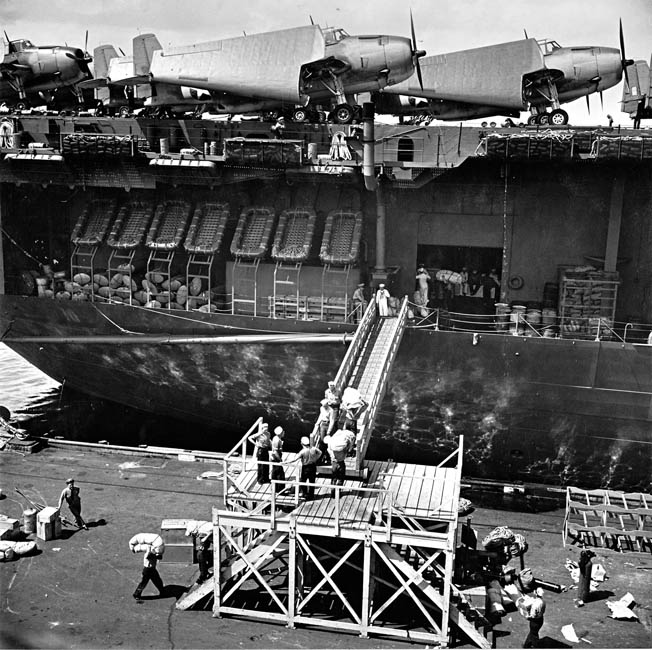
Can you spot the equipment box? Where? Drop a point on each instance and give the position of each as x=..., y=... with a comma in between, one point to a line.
x=48, y=524
x=178, y=548
x=9, y=528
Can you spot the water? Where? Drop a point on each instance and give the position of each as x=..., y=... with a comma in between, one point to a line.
x=44, y=407
x=24, y=389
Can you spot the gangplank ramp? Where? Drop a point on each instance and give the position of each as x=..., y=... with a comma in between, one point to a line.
x=367, y=365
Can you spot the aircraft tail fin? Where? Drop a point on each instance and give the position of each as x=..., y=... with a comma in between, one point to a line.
x=637, y=94
x=102, y=56
x=144, y=46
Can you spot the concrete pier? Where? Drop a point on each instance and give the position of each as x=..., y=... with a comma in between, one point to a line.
x=77, y=592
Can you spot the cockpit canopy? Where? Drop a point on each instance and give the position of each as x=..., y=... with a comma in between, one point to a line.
x=547, y=46
x=334, y=35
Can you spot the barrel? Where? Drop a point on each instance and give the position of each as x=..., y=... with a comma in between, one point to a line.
x=533, y=317
x=502, y=316
x=41, y=285
x=29, y=521
x=516, y=318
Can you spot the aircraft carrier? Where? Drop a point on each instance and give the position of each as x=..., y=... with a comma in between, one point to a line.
x=202, y=270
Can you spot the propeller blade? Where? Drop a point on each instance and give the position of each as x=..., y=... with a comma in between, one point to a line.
x=86, y=42
x=601, y=101
x=525, y=32
x=416, y=54
x=588, y=105
x=623, y=59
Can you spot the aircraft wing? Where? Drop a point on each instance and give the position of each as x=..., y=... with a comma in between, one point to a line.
x=491, y=75
x=639, y=89
x=264, y=65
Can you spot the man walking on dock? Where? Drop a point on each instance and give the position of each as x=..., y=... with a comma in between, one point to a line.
x=150, y=572
x=70, y=494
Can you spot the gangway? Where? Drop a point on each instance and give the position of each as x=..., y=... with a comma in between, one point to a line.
x=366, y=367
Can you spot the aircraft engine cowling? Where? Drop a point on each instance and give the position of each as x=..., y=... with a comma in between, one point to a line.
x=197, y=94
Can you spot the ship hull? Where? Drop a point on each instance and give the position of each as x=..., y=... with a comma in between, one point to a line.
x=552, y=410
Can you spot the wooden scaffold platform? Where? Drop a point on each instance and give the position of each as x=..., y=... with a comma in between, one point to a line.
x=373, y=558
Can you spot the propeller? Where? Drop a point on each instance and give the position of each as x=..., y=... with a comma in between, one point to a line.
x=416, y=54
x=85, y=57
x=624, y=61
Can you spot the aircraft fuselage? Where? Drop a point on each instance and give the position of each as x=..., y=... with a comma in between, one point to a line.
x=41, y=70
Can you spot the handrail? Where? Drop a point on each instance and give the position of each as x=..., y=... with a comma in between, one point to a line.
x=351, y=356
x=369, y=416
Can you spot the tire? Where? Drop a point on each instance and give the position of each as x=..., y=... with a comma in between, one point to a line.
x=543, y=119
x=343, y=114
x=532, y=120
x=558, y=117
x=21, y=106
x=299, y=115
x=123, y=111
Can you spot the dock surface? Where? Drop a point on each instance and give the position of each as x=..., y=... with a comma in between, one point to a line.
x=77, y=592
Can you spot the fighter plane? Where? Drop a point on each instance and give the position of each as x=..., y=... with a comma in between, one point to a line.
x=637, y=92
x=506, y=79
x=292, y=67
x=35, y=75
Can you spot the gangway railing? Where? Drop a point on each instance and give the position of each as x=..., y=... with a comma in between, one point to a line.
x=353, y=366
x=374, y=396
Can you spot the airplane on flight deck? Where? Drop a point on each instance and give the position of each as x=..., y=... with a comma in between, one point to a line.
x=506, y=79
x=293, y=68
x=122, y=83
x=637, y=93
x=33, y=75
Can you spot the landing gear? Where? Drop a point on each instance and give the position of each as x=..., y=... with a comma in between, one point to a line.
x=558, y=117
x=299, y=115
x=532, y=120
x=343, y=114
x=21, y=106
x=124, y=111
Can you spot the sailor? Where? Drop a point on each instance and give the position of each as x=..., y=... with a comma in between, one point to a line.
x=359, y=302
x=150, y=572
x=278, y=473
x=532, y=607
x=203, y=535
x=333, y=400
x=309, y=456
x=263, y=445
x=423, y=277
x=382, y=296
x=321, y=426
x=339, y=445
x=70, y=494
x=278, y=128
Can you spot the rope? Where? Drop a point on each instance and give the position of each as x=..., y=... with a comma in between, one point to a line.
x=20, y=248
